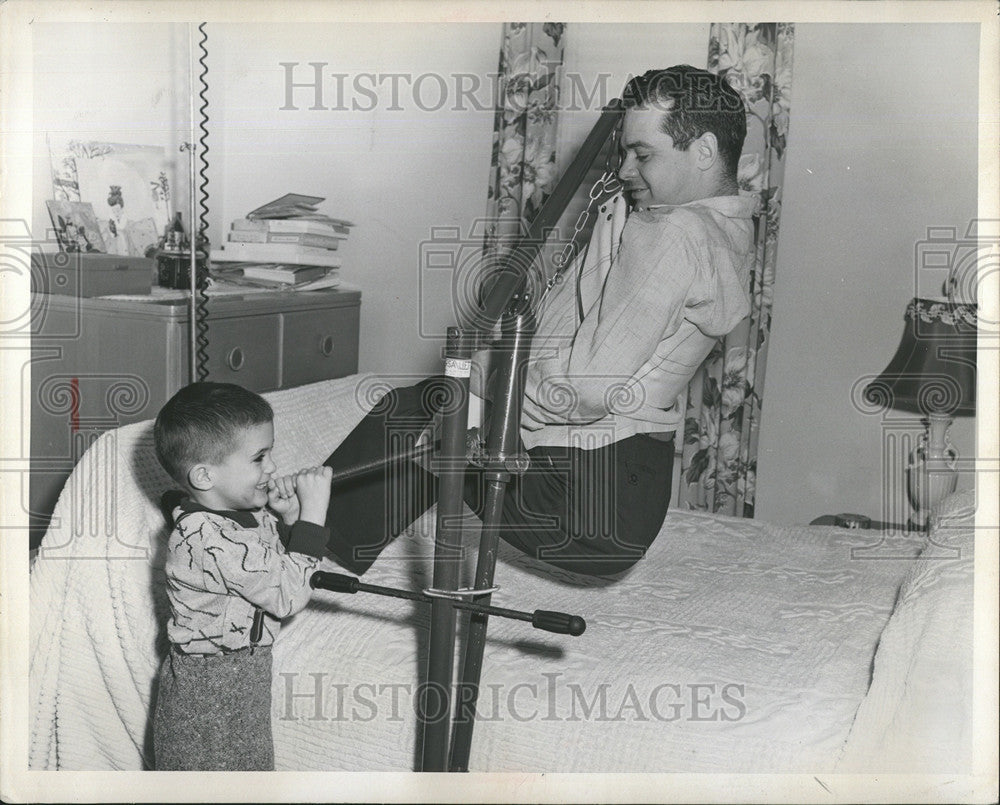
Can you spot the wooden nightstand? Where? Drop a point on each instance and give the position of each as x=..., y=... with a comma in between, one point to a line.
x=98, y=363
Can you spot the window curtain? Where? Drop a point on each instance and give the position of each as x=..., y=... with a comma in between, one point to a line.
x=719, y=459
x=523, y=169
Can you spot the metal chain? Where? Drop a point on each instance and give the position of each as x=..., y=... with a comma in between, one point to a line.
x=607, y=184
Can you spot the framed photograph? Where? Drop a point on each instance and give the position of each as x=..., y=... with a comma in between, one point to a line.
x=76, y=226
x=127, y=185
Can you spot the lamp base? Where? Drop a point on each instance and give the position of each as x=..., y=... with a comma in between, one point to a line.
x=932, y=469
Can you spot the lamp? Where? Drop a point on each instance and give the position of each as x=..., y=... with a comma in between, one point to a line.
x=932, y=373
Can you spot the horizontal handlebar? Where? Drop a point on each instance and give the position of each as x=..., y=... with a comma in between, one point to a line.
x=546, y=620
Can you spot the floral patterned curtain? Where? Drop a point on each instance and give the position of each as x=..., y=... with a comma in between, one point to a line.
x=524, y=131
x=719, y=463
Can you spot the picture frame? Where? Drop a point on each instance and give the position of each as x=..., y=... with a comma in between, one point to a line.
x=76, y=226
x=128, y=186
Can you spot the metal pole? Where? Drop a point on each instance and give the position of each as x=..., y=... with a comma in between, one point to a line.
x=435, y=699
x=367, y=467
x=503, y=458
x=192, y=226
x=508, y=284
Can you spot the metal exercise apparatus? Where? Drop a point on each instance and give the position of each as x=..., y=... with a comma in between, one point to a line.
x=507, y=301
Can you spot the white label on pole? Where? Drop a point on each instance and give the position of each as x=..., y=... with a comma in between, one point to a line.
x=475, y=411
x=456, y=367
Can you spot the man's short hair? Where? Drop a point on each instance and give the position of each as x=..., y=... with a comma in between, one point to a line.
x=694, y=102
x=201, y=422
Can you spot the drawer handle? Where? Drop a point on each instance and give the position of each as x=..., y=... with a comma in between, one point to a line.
x=235, y=359
x=326, y=345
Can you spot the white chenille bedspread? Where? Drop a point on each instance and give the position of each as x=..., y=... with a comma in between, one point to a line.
x=733, y=646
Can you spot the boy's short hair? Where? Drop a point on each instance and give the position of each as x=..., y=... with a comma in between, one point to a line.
x=693, y=101
x=200, y=422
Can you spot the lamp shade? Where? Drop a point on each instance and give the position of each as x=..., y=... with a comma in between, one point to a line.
x=934, y=368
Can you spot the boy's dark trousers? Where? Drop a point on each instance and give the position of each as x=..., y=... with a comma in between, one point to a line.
x=594, y=512
x=213, y=713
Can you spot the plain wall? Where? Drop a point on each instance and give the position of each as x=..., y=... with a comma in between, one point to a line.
x=882, y=145
x=395, y=164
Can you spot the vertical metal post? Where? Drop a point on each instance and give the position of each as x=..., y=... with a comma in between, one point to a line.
x=503, y=458
x=192, y=221
x=435, y=698
x=507, y=284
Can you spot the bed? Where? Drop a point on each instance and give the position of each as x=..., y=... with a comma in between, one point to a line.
x=734, y=646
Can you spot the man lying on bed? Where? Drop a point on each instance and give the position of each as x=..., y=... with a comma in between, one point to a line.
x=615, y=346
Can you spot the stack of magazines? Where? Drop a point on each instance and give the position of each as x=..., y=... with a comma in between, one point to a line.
x=287, y=243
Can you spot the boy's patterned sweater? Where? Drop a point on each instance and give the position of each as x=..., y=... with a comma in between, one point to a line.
x=223, y=567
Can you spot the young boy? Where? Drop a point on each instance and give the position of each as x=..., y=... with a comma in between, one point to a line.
x=243, y=547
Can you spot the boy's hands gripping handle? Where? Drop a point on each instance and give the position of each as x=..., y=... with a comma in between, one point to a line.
x=313, y=489
x=557, y=622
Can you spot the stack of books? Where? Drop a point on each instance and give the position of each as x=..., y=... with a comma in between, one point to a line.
x=287, y=243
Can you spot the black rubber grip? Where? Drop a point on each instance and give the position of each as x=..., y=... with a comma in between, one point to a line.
x=337, y=582
x=558, y=622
